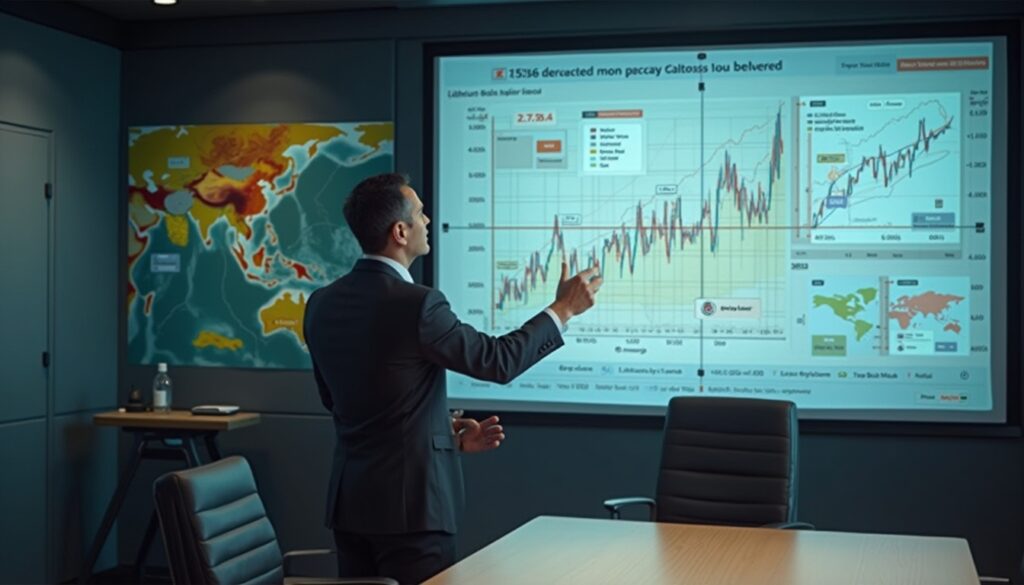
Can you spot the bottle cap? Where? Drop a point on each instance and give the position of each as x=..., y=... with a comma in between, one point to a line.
x=161, y=367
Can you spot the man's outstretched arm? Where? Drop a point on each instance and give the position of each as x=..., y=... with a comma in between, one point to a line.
x=459, y=347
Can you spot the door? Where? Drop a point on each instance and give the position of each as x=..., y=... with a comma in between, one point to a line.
x=25, y=267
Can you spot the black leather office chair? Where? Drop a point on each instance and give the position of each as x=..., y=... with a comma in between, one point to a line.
x=730, y=461
x=216, y=531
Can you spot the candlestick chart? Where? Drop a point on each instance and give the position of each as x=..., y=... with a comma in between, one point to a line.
x=706, y=220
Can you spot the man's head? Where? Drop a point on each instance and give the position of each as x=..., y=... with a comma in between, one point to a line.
x=387, y=218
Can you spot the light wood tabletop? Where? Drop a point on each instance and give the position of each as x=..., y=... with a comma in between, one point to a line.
x=565, y=551
x=176, y=419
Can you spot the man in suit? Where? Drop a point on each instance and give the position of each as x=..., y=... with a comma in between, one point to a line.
x=380, y=346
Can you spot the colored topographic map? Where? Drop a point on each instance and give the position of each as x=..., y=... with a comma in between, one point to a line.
x=231, y=227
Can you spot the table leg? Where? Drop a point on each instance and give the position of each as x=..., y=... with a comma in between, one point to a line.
x=188, y=445
x=211, y=446
x=143, y=552
x=113, y=508
x=190, y=454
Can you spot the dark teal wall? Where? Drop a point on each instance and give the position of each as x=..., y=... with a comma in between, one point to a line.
x=59, y=82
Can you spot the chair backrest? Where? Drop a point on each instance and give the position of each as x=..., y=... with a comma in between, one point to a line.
x=214, y=526
x=728, y=461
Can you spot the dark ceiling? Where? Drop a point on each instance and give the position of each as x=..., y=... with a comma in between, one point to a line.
x=138, y=10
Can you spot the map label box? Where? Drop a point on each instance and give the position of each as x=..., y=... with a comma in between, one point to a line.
x=165, y=263
x=828, y=345
x=914, y=343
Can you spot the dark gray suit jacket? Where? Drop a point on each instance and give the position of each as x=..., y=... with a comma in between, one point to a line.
x=380, y=347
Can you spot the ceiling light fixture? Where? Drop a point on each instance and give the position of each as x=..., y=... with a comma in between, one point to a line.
x=165, y=2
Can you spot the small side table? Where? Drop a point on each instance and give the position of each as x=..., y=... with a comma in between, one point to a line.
x=167, y=436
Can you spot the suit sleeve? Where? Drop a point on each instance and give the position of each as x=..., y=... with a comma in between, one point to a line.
x=325, y=392
x=459, y=347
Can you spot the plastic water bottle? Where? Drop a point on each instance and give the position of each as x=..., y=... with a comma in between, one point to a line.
x=161, y=389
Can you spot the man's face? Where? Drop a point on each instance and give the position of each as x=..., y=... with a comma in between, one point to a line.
x=417, y=234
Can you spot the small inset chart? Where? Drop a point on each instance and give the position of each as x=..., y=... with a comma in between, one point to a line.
x=844, y=316
x=929, y=316
x=889, y=316
x=880, y=169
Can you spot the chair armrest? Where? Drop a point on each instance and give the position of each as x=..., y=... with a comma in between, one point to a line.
x=984, y=579
x=615, y=504
x=790, y=526
x=341, y=581
x=291, y=556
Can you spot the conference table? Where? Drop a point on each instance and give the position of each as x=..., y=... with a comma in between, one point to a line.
x=567, y=551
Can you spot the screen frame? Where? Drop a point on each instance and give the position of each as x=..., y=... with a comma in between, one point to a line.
x=1008, y=29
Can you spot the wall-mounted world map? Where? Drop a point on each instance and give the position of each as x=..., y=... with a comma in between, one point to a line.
x=231, y=227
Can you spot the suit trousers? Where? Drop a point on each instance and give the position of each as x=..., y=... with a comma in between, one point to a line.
x=408, y=558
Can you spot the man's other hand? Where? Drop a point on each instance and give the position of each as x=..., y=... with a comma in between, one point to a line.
x=575, y=295
x=478, y=436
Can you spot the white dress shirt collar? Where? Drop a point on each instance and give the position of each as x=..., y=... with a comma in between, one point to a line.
x=402, y=270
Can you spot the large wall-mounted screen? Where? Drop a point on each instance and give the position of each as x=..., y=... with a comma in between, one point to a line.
x=824, y=223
